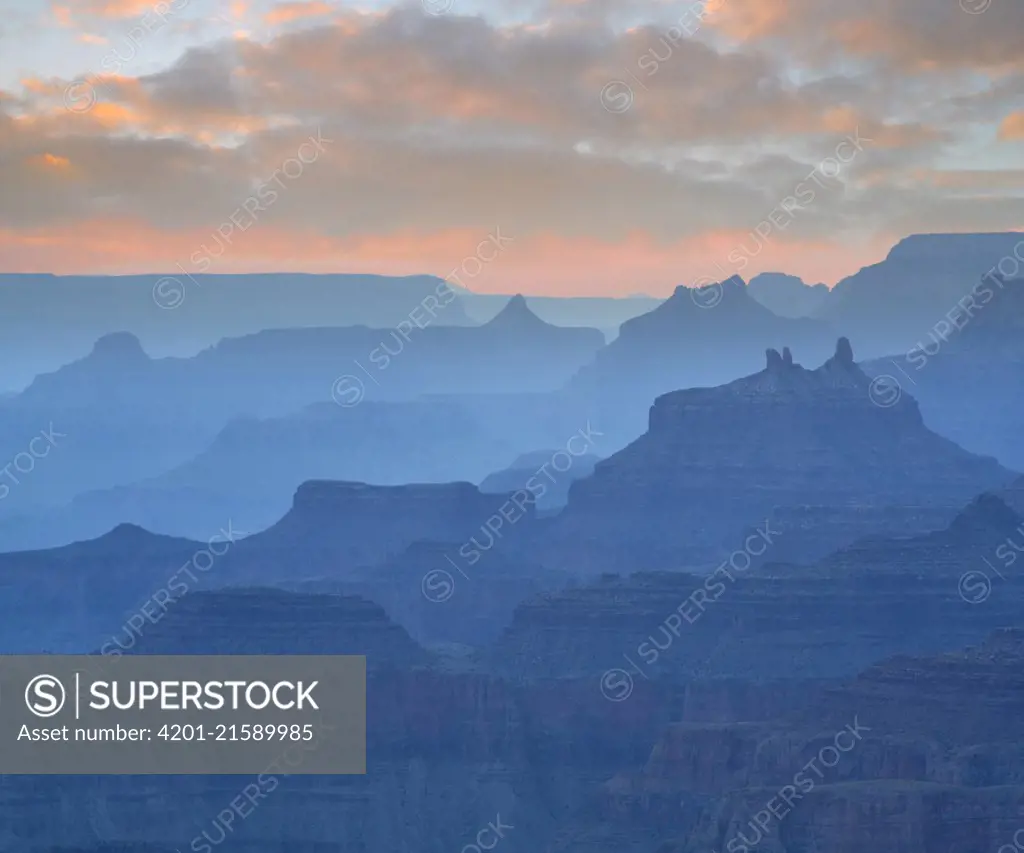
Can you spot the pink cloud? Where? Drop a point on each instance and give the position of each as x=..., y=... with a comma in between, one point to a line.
x=541, y=264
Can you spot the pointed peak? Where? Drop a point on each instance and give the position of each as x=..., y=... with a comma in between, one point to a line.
x=516, y=314
x=516, y=311
x=986, y=512
x=787, y=357
x=125, y=538
x=127, y=530
x=132, y=535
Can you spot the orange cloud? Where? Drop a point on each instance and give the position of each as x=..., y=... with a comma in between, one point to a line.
x=913, y=34
x=401, y=76
x=1012, y=128
x=285, y=13
x=36, y=86
x=747, y=20
x=114, y=116
x=52, y=162
x=63, y=15
x=111, y=103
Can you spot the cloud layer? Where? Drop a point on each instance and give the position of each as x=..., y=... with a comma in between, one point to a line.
x=625, y=147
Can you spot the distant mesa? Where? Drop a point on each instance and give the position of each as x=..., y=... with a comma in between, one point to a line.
x=120, y=354
x=254, y=621
x=802, y=446
x=967, y=366
x=316, y=496
x=788, y=295
x=119, y=346
x=695, y=338
x=943, y=247
x=336, y=527
x=922, y=277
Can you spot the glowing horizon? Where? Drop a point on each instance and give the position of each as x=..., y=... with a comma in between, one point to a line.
x=625, y=151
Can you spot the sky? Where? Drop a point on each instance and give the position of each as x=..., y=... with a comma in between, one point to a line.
x=609, y=147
